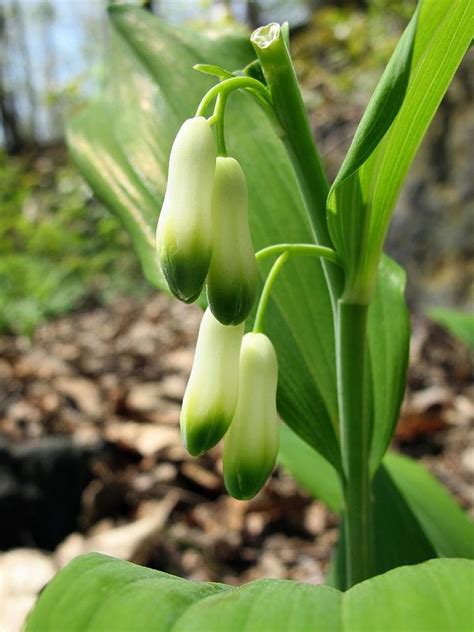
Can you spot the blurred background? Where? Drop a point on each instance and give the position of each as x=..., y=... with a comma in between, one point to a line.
x=93, y=362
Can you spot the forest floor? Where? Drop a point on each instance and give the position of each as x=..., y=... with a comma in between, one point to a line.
x=91, y=457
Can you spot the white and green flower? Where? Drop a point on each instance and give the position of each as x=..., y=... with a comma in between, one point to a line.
x=184, y=232
x=251, y=443
x=232, y=278
x=211, y=394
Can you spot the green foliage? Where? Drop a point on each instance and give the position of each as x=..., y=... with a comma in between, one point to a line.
x=459, y=324
x=415, y=517
x=363, y=196
x=58, y=248
x=95, y=593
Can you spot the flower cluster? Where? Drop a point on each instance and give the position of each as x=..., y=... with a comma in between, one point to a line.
x=203, y=238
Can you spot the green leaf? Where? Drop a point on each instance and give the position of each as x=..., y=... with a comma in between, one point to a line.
x=449, y=529
x=415, y=517
x=268, y=605
x=100, y=593
x=389, y=341
x=434, y=596
x=96, y=593
x=215, y=71
x=310, y=469
x=364, y=193
x=121, y=145
x=459, y=324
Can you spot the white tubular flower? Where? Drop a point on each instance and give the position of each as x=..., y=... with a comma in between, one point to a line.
x=232, y=278
x=184, y=233
x=211, y=394
x=251, y=444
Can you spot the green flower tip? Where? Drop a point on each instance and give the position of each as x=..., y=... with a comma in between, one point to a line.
x=251, y=443
x=232, y=278
x=211, y=394
x=184, y=232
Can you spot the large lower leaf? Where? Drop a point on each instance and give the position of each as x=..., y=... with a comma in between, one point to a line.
x=121, y=145
x=96, y=593
x=364, y=193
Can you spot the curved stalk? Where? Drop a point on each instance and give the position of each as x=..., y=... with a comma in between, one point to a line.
x=267, y=289
x=229, y=85
x=304, y=250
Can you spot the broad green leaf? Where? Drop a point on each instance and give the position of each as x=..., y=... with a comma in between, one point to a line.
x=364, y=193
x=268, y=605
x=96, y=593
x=435, y=596
x=100, y=593
x=121, y=145
x=460, y=324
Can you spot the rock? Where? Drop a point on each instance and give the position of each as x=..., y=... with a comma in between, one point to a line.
x=134, y=542
x=23, y=573
x=41, y=484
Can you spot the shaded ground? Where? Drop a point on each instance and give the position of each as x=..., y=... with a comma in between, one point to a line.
x=91, y=459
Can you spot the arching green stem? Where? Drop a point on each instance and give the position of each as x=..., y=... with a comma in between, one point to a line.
x=218, y=117
x=229, y=85
x=304, y=250
x=267, y=288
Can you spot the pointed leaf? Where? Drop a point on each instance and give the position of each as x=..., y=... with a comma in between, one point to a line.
x=389, y=341
x=363, y=196
x=448, y=528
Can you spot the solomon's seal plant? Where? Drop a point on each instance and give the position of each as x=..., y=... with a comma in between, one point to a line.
x=248, y=215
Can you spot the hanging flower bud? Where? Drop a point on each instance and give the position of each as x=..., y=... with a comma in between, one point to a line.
x=211, y=394
x=232, y=278
x=184, y=233
x=251, y=444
